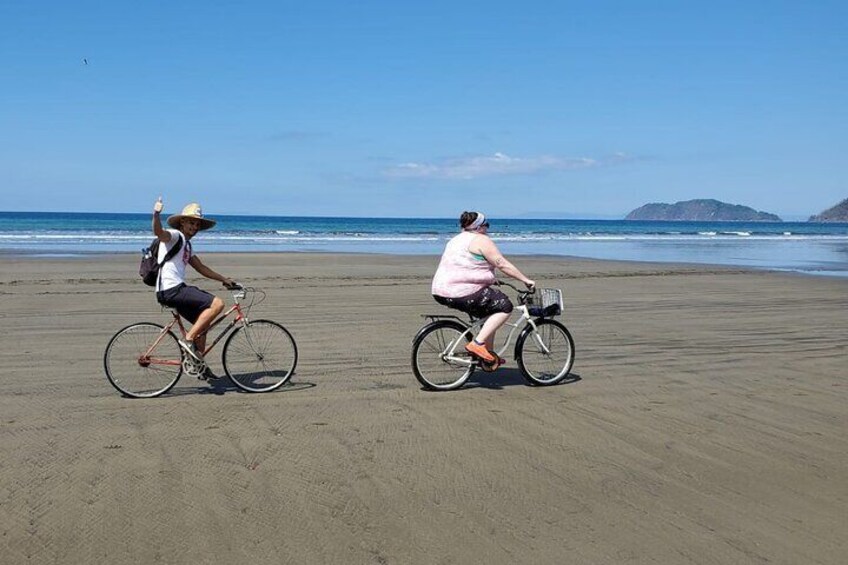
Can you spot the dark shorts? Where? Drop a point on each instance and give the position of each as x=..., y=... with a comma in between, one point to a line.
x=189, y=301
x=481, y=304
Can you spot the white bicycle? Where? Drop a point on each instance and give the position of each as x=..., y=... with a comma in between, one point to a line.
x=544, y=348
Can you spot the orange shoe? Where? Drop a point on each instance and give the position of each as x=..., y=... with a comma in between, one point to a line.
x=480, y=352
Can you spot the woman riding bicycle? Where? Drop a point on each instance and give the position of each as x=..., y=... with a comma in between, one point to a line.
x=464, y=282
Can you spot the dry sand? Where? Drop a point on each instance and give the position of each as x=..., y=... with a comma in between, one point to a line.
x=706, y=424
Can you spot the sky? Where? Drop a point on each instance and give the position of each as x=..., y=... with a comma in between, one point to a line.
x=519, y=109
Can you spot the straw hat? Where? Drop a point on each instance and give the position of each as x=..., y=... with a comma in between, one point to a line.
x=194, y=212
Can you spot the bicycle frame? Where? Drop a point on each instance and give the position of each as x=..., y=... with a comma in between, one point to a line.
x=177, y=321
x=448, y=354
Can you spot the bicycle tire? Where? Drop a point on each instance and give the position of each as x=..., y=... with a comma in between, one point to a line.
x=260, y=356
x=538, y=367
x=133, y=375
x=432, y=371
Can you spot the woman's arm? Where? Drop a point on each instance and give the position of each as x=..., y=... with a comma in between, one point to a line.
x=484, y=245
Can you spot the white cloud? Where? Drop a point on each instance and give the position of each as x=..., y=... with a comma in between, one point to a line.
x=498, y=164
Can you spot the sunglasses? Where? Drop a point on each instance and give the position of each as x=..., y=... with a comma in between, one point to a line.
x=484, y=225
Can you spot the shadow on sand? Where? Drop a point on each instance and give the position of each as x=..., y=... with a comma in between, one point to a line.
x=224, y=385
x=503, y=378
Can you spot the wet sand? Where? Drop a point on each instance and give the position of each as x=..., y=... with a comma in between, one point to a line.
x=705, y=423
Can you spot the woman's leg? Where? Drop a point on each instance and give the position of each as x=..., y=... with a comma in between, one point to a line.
x=499, y=309
x=488, y=303
x=490, y=326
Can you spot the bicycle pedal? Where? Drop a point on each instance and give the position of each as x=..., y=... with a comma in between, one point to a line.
x=489, y=367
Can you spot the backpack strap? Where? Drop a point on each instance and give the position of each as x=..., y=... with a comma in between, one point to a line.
x=173, y=251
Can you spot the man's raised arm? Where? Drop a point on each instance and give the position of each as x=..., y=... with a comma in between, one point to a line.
x=163, y=234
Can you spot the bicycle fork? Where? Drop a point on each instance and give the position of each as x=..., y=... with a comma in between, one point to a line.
x=538, y=339
x=246, y=330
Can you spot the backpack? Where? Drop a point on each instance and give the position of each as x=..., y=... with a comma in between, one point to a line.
x=149, y=268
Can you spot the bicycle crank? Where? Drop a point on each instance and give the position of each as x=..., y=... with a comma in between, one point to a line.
x=193, y=367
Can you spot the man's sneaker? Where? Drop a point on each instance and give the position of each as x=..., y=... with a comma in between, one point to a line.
x=479, y=351
x=191, y=349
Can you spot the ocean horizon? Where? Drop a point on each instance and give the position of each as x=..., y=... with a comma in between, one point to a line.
x=804, y=247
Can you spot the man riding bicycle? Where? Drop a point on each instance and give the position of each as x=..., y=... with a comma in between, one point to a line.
x=197, y=306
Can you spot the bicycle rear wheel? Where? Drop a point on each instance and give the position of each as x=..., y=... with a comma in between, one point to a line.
x=439, y=359
x=143, y=360
x=546, y=354
x=260, y=356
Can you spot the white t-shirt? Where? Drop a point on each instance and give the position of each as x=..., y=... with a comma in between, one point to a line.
x=172, y=272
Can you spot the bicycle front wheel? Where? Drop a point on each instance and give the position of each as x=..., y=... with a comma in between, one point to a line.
x=439, y=359
x=260, y=356
x=546, y=354
x=143, y=360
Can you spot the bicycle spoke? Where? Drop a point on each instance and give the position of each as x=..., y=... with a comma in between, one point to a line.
x=547, y=353
x=260, y=356
x=125, y=369
x=431, y=362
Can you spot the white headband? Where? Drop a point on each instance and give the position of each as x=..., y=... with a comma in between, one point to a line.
x=478, y=221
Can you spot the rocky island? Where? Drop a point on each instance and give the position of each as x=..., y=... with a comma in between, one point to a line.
x=838, y=213
x=700, y=211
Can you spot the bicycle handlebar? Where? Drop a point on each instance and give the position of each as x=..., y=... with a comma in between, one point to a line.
x=522, y=293
x=252, y=295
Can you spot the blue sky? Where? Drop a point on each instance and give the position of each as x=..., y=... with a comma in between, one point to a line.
x=579, y=109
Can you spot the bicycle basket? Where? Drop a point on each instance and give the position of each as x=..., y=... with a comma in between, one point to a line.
x=546, y=302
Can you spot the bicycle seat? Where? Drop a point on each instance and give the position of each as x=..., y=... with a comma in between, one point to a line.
x=169, y=309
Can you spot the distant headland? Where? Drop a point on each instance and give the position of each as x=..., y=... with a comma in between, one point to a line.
x=838, y=213
x=702, y=210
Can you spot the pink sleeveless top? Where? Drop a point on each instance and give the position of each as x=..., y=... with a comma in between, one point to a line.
x=460, y=273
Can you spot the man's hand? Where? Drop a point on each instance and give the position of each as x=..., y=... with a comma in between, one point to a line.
x=157, y=208
x=531, y=284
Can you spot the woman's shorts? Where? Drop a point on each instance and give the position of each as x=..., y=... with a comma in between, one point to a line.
x=188, y=301
x=481, y=304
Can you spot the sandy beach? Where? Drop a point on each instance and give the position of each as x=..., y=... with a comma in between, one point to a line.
x=705, y=423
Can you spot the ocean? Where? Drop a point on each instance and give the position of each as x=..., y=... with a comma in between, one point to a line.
x=811, y=248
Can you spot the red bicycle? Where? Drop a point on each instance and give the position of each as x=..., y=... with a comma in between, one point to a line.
x=144, y=360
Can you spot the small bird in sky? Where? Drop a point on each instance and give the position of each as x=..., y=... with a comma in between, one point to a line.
x=85, y=61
